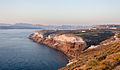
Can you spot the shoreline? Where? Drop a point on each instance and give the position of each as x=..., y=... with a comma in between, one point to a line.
x=66, y=56
x=69, y=44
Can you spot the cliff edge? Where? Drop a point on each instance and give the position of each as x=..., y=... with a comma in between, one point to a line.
x=70, y=44
x=105, y=56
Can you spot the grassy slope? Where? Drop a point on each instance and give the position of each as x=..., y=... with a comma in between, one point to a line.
x=105, y=57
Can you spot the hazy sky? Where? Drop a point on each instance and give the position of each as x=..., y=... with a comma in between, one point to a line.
x=60, y=12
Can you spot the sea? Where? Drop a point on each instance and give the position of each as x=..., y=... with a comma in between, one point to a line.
x=18, y=52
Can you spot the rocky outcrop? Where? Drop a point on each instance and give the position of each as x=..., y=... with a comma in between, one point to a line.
x=73, y=42
x=70, y=44
x=105, y=56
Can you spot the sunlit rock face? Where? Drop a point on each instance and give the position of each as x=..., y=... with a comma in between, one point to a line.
x=67, y=43
x=68, y=38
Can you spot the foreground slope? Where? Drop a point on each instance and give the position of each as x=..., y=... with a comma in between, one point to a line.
x=105, y=56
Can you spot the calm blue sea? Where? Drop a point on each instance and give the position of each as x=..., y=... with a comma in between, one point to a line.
x=17, y=52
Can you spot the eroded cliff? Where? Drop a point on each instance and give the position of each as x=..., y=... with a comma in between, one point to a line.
x=86, y=46
x=70, y=44
x=105, y=56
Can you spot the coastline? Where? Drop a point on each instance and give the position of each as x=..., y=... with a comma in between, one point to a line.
x=65, y=43
x=67, y=56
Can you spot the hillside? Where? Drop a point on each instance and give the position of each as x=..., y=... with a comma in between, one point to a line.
x=89, y=49
x=71, y=42
x=104, y=57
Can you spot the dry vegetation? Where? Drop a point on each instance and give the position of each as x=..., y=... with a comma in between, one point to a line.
x=104, y=57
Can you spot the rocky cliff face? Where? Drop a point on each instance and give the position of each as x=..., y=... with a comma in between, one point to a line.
x=100, y=44
x=70, y=44
x=105, y=56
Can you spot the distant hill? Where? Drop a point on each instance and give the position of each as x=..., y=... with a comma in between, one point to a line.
x=38, y=26
x=2, y=24
x=18, y=26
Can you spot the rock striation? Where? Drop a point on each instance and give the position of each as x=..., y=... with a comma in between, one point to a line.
x=105, y=56
x=69, y=44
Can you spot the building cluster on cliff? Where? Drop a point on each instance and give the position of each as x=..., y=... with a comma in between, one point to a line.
x=106, y=27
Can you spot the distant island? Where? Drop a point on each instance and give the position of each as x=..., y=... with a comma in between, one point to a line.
x=38, y=26
x=56, y=27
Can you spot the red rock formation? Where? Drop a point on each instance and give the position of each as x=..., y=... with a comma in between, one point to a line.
x=69, y=44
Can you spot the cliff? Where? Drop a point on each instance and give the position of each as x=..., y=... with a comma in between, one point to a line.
x=105, y=56
x=70, y=44
x=87, y=47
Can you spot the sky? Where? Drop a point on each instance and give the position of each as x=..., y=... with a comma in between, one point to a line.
x=60, y=12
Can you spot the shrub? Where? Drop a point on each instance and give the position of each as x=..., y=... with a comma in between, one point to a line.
x=92, y=63
x=118, y=51
x=101, y=58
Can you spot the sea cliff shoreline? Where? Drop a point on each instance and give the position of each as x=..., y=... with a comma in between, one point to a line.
x=66, y=43
x=72, y=43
